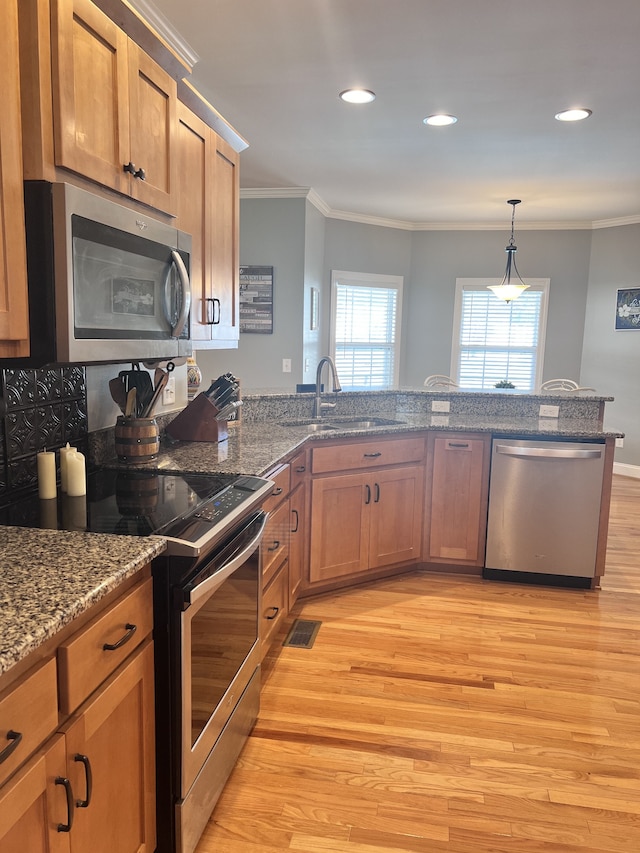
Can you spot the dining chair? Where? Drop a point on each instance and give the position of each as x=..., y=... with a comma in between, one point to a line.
x=439, y=380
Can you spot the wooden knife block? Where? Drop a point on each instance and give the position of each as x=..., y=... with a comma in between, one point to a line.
x=198, y=422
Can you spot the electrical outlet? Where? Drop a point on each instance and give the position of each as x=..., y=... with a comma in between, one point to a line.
x=619, y=442
x=286, y=365
x=169, y=393
x=306, y=365
x=440, y=406
x=549, y=411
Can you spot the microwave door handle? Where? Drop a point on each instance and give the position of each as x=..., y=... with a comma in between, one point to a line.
x=183, y=275
x=213, y=582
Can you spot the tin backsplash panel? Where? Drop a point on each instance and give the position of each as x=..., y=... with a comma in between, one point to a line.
x=43, y=410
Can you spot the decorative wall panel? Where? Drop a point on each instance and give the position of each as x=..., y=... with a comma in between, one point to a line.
x=42, y=410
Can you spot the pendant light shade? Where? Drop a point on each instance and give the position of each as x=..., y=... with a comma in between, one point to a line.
x=509, y=288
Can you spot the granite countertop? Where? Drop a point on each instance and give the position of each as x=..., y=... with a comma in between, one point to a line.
x=254, y=448
x=49, y=577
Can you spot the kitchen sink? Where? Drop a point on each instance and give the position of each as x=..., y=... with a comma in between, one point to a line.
x=317, y=425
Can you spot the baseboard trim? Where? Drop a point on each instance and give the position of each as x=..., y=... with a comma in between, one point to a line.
x=626, y=470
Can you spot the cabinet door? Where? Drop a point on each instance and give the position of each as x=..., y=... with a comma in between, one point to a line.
x=115, y=730
x=225, y=257
x=90, y=93
x=153, y=124
x=457, y=502
x=339, y=526
x=396, y=516
x=14, y=310
x=297, y=551
x=33, y=805
x=195, y=162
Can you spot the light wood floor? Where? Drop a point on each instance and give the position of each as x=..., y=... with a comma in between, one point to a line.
x=443, y=714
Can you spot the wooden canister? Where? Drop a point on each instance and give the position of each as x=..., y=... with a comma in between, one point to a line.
x=137, y=439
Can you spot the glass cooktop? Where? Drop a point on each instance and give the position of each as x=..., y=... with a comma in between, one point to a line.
x=135, y=503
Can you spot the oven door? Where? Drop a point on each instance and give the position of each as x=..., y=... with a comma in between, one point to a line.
x=217, y=612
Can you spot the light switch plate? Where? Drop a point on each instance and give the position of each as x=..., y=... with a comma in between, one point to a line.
x=619, y=442
x=549, y=411
x=286, y=365
x=440, y=406
x=169, y=393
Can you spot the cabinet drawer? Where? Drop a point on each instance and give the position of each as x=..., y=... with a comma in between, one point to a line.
x=299, y=469
x=274, y=607
x=29, y=710
x=275, y=542
x=366, y=454
x=281, y=477
x=86, y=660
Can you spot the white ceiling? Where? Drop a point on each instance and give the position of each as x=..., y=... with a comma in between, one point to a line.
x=274, y=69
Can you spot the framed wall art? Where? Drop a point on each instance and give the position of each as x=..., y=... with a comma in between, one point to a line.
x=628, y=309
x=256, y=299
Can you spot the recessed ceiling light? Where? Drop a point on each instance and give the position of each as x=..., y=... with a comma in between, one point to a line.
x=573, y=115
x=358, y=96
x=440, y=120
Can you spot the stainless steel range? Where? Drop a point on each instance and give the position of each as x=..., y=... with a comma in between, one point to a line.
x=206, y=616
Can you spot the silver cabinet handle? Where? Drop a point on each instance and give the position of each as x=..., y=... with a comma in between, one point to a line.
x=548, y=452
x=183, y=275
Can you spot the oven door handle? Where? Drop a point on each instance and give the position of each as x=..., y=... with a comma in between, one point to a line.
x=211, y=583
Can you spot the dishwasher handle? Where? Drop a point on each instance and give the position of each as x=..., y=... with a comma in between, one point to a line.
x=548, y=452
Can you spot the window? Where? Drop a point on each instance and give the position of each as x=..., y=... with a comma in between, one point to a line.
x=366, y=311
x=495, y=340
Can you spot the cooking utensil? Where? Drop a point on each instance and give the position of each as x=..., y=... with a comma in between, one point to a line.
x=141, y=381
x=160, y=386
x=130, y=407
x=118, y=393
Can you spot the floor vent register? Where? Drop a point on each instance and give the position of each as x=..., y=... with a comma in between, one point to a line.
x=302, y=634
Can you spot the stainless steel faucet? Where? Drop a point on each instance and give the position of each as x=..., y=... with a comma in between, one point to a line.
x=318, y=405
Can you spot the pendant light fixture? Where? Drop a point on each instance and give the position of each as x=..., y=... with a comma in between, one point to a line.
x=508, y=290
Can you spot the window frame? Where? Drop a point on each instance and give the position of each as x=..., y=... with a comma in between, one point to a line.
x=369, y=280
x=481, y=284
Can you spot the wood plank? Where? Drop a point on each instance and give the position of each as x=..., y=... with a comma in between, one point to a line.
x=447, y=713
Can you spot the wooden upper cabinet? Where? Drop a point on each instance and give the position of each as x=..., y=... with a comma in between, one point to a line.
x=153, y=102
x=208, y=209
x=113, y=106
x=14, y=308
x=225, y=251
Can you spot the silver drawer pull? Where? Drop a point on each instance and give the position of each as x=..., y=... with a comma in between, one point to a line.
x=372, y=455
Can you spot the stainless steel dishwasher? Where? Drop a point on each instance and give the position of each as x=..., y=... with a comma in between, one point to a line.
x=544, y=510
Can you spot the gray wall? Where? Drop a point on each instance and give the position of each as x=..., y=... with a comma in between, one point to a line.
x=439, y=257
x=585, y=268
x=611, y=359
x=272, y=233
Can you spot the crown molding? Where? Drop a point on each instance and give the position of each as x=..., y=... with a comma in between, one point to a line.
x=165, y=29
x=614, y=223
x=312, y=196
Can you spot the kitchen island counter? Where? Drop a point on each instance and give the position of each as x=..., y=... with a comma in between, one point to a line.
x=254, y=447
x=51, y=577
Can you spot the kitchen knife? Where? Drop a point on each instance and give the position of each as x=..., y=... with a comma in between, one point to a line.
x=228, y=410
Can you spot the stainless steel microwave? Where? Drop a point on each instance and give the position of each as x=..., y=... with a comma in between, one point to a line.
x=106, y=283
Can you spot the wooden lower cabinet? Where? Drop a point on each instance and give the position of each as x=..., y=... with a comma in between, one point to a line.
x=89, y=784
x=115, y=730
x=365, y=521
x=457, y=498
x=297, y=541
x=33, y=805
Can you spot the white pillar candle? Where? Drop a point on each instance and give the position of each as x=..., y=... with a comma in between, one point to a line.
x=46, y=462
x=63, y=465
x=76, y=475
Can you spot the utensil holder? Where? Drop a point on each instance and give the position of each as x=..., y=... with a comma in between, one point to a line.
x=198, y=422
x=137, y=439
